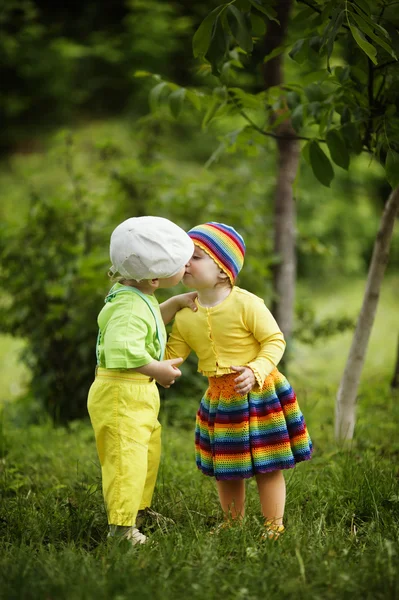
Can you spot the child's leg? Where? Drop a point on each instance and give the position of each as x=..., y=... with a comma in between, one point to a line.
x=271, y=487
x=232, y=497
x=153, y=458
x=123, y=415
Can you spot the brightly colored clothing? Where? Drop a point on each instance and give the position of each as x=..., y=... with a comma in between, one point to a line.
x=123, y=408
x=238, y=436
x=123, y=405
x=128, y=331
x=238, y=331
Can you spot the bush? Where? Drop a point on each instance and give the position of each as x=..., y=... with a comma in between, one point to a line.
x=51, y=272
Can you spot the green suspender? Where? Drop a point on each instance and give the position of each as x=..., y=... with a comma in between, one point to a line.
x=126, y=288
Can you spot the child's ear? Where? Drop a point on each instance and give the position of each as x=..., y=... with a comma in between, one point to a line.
x=154, y=283
x=223, y=276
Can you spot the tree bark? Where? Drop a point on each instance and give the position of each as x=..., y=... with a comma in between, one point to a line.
x=284, y=272
x=345, y=408
x=395, y=378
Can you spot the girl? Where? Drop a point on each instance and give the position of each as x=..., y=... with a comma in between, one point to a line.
x=250, y=424
x=147, y=253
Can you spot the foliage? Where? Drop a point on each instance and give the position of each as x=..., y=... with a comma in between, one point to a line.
x=344, y=94
x=341, y=517
x=55, y=247
x=50, y=271
x=58, y=63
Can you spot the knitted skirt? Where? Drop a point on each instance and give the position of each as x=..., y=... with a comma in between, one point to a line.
x=239, y=436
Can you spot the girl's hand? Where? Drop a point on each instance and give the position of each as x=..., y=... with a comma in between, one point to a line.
x=245, y=381
x=188, y=300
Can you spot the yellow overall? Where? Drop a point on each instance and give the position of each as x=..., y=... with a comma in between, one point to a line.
x=123, y=408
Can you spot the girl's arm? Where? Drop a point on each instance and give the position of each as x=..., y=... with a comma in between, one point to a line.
x=170, y=307
x=265, y=330
x=177, y=345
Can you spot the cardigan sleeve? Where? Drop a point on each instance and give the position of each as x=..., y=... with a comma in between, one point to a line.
x=265, y=330
x=176, y=347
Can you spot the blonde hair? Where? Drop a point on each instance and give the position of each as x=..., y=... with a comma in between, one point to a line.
x=118, y=278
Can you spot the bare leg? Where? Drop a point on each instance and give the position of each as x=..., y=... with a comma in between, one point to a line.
x=271, y=487
x=232, y=498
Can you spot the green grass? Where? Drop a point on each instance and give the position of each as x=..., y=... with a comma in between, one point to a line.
x=342, y=514
x=342, y=518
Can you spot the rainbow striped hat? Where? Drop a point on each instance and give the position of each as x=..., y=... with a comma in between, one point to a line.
x=223, y=244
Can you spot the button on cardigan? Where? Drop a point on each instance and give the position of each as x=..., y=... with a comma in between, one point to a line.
x=238, y=331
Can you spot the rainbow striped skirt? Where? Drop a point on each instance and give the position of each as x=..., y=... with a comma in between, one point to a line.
x=239, y=436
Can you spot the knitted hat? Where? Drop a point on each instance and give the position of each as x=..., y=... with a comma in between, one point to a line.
x=223, y=243
x=149, y=248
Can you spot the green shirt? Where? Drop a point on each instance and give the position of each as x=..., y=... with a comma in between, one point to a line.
x=128, y=332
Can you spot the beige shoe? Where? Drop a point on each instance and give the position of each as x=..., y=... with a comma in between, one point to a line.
x=135, y=536
x=132, y=534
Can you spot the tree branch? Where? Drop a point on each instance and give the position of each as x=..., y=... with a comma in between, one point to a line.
x=310, y=6
x=276, y=136
x=390, y=62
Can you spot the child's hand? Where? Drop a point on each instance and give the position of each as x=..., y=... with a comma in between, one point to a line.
x=167, y=372
x=245, y=381
x=188, y=300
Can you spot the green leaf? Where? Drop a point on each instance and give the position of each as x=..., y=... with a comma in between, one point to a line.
x=143, y=74
x=338, y=149
x=258, y=25
x=300, y=51
x=176, y=100
x=320, y=163
x=364, y=44
x=297, y=117
x=240, y=28
x=363, y=5
x=330, y=33
x=276, y=52
x=366, y=29
x=210, y=113
x=155, y=95
x=392, y=168
x=265, y=8
x=194, y=98
x=218, y=47
x=352, y=137
x=203, y=35
x=305, y=153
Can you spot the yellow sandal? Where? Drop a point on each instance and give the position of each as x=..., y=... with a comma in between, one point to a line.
x=272, y=531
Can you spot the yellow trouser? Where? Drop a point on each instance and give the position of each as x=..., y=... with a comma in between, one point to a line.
x=123, y=408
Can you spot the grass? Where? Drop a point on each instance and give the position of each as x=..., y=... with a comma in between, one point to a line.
x=342, y=514
x=342, y=518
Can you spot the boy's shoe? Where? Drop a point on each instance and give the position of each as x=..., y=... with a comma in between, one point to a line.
x=136, y=537
x=132, y=534
x=272, y=531
x=150, y=519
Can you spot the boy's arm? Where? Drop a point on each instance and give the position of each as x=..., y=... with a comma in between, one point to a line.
x=170, y=307
x=164, y=372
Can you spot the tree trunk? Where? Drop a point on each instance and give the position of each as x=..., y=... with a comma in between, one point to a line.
x=395, y=378
x=345, y=408
x=284, y=272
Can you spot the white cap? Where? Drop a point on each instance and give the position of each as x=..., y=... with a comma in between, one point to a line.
x=149, y=248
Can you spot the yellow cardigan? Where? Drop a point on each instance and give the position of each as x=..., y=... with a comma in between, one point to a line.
x=238, y=331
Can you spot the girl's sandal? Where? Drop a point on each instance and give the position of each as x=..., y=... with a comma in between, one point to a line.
x=272, y=532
